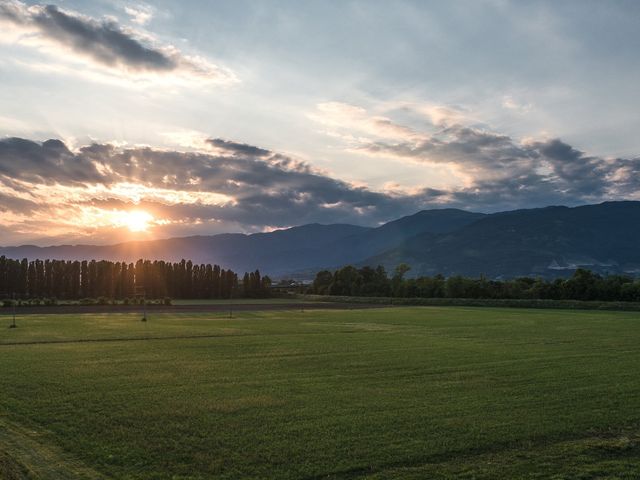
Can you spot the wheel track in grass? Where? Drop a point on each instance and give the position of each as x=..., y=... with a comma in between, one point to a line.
x=597, y=446
x=172, y=337
x=25, y=454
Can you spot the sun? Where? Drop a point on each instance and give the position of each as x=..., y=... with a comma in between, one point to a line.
x=136, y=220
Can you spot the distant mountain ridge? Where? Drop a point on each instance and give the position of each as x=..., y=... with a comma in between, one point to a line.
x=538, y=242
x=542, y=242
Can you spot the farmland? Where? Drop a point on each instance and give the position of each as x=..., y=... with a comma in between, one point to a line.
x=411, y=392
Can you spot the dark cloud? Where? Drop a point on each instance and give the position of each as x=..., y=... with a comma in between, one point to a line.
x=105, y=41
x=10, y=203
x=238, y=148
x=626, y=178
x=505, y=173
x=581, y=175
x=49, y=162
x=482, y=153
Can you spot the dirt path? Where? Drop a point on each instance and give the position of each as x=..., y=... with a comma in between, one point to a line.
x=24, y=454
x=152, y=338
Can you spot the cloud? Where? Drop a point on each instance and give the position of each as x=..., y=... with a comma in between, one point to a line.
x=500, y=171
x=480, y=154
x=356, y=124
x=443, y=115
x=345, y=116
x=105, y=44
x=15, y=204
x=234, y=148
x=192, y=139
x=578, y=173
x=510, y=103
x=47, y=162
x=140, y=14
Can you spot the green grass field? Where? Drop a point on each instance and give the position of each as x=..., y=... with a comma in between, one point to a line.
x=469, y=393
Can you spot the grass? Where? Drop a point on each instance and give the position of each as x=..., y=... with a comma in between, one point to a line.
x=422, y=392
x=160, y=302
x=243, y=301
x=478, y=302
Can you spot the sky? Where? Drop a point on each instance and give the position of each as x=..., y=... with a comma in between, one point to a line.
x=138, y=120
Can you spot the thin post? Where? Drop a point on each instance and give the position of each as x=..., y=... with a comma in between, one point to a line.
x=13, y=324
x=141, y=292
x=144, y=302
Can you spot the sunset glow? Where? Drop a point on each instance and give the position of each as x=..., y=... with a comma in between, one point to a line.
x=135, y=221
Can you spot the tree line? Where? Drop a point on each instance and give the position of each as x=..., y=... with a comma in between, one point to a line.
x=92, y=279
x=375, y=282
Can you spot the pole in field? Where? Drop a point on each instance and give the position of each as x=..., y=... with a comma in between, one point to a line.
x=140, y=292
x=13, y=324
x=5, y=297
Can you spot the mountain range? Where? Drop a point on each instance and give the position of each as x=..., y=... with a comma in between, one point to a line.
x=547, y=242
